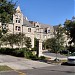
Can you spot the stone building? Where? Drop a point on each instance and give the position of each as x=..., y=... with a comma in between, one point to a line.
x=29, y=28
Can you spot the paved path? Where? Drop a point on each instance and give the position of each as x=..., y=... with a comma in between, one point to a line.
x=21, y=63
x=53, y=55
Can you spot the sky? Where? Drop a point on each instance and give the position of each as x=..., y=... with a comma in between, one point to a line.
x=52, y=12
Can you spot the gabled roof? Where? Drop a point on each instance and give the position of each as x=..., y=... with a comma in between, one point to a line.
x=18, y=9
x=45, y=25
x=27, y=23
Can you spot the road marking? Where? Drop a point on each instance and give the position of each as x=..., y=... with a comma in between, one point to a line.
x=20, y=73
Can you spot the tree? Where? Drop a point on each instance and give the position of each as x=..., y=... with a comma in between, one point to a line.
x=21, y=39
x=59, y=35
x=70, y=32
x=35, y=44
x=9, y=39
x=70, y=28
x=51, y=44
x=7, y=9
x=14, y=39
x=28, y=42
x=56, y=44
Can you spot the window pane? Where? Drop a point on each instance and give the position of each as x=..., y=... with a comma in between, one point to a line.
x=18, y=21
x=16, y=28
x=19, y=28
x=29, y=29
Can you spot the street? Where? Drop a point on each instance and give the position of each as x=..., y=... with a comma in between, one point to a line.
x=51, y=70
x=22, y=66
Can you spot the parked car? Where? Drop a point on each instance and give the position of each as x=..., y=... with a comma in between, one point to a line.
x=71, y=59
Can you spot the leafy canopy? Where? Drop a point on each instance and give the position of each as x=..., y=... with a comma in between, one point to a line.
x=70, y=28
x=7, y=9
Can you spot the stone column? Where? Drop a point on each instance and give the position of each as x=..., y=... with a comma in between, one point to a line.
x=40, y=48
x=0, y=23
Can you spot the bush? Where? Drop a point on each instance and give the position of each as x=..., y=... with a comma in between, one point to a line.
x=23, y=52
x=27, y=53
x=34, y=57
x=64, y=52
x=42, y=57
x=18, y=53
x=8, y=51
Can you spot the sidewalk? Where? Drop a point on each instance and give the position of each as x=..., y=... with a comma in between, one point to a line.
x=21, y=63
x=53, y=56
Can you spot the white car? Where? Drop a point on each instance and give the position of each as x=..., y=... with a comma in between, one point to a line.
x=71, y=59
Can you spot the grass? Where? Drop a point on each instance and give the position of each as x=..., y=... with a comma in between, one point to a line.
x=4, y=68
x=63, y=60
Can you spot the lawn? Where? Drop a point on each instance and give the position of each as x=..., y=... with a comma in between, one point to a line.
x=4, y=68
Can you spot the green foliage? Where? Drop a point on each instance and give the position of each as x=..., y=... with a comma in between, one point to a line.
x=34, y=57
x=70, y=32
x=60, y=37
x=8, y=51
x=18, y=53
x=5, y=68
x=53, y=45
x=23, y=52
x=35, y=44
x=28, y=42
x=14, y=39
x=50, y=43
x=56, y=44
x=7, y=9
x=42, y=57
x=70, y=28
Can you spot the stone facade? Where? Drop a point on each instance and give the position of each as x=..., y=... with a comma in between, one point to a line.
x=29, y=28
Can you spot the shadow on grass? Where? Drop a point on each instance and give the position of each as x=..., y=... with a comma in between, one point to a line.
x=66, y=64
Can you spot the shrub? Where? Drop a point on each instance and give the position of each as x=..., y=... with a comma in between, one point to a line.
x=18, y=53
x=23, y=52
x=34, y=57
x=6, y=51
x=27, y=53
x=42, y=57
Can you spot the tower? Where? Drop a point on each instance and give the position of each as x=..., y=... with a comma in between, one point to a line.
x=18, y=20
